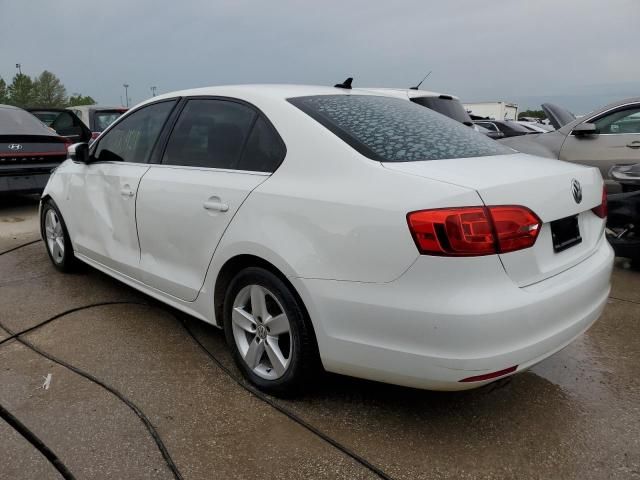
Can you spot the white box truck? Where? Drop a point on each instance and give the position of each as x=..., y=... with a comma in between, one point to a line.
x=493, y=110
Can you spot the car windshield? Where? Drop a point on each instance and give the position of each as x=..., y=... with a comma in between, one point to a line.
x=394, y=130
x=448, y=106
x=14, y=121
x=104, y=118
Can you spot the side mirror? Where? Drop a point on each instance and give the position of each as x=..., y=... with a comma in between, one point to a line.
x=585, y=129
x=79, y=152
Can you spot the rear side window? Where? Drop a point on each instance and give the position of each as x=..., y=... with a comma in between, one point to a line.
x=394, y=130
x=209, y=133
x=132, y=139
x=264, y=151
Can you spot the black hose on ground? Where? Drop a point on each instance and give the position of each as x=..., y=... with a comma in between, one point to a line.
x=32, y=438
x=20, y=246
x=289, y=413
x=136, y=410
x=154, y=434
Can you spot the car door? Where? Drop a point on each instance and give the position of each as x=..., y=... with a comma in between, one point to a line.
x=103, y=192
x=618, y=140
x=214, y=157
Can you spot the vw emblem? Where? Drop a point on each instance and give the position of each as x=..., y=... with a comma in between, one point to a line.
x=576, y=190
x=15, y=146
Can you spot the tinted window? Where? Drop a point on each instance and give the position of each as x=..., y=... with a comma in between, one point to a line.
x=394, y=130
x=450, y=107
x=209, y=133
x=132, y=139
x=622, y=121
x=264, y=151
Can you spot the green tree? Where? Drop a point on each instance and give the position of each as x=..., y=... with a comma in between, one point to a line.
x=78, y=99
x=532, y=113
x=48, y=91
x=3, y=91
x=20, y=92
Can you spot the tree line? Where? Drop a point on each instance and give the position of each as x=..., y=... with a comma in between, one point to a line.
x=44, y=90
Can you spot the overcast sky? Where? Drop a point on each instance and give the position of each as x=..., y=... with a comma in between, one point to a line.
x=478, y=50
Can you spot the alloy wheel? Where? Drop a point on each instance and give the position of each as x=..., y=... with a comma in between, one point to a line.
x=54, y=235
x=262, y=332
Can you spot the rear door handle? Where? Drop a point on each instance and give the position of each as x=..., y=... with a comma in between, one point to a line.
x=214, y=204
x=634, y=144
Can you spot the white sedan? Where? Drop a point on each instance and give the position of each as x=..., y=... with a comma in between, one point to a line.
x=338, y=227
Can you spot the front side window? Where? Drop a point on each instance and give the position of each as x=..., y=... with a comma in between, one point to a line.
x=622, y=121
x=210, y=133
x=133, y=138
x=394, y=130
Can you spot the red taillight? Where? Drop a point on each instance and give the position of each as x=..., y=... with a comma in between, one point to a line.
x=601, y=210
x=516, y=227
x=473, y=231
x=67, y=142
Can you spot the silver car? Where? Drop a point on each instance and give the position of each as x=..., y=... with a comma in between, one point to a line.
x=603, y=138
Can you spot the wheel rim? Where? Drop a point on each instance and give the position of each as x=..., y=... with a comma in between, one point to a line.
x=262, y=332
x=55, y=236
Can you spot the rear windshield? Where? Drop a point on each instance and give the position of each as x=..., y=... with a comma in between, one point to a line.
x=450, y=107
x=103, y=118
x=19, y=122
x=394, y=130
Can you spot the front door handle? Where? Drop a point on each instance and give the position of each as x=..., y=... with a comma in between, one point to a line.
x=126, y=191
x=215, y=204
x=634, y=144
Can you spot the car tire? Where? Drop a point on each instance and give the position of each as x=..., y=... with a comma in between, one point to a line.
x=272, y=341
x=56, y=238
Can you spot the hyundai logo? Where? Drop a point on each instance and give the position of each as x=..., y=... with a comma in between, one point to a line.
x=576, y=190
x=15, y=146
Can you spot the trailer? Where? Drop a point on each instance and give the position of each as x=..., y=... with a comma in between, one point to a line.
x=493, y=110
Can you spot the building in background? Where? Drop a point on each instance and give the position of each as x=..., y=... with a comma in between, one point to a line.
x=493, y=110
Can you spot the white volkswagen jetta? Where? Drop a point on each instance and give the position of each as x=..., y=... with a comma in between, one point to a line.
x=380, y=237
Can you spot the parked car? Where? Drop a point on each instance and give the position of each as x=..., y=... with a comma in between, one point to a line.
x=623, y=221
x=606, y=137
x=507, y=127
x=447, y=105
x=97, y=117
x=28, y=151
x=535, y=127
x=382, y=238
x=64, y=122
x=489, y=133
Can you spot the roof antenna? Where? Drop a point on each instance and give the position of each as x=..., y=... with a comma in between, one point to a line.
x=346, y=84
x=417, y=87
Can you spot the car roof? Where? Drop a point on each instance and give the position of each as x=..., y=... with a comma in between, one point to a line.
x=95, y=107
x=259, y=92
x=571, y=125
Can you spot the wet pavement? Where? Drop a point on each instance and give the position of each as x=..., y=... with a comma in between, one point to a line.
x=575, y=415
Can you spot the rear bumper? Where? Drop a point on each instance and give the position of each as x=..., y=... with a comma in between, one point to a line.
x=23, y=182
x=445, y=319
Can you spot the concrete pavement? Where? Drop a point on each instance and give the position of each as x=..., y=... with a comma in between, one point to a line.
x=575, y=415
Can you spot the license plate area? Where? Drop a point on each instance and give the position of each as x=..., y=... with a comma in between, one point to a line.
x=565, y=233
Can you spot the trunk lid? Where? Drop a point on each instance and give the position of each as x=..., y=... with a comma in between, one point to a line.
x=540, y=184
